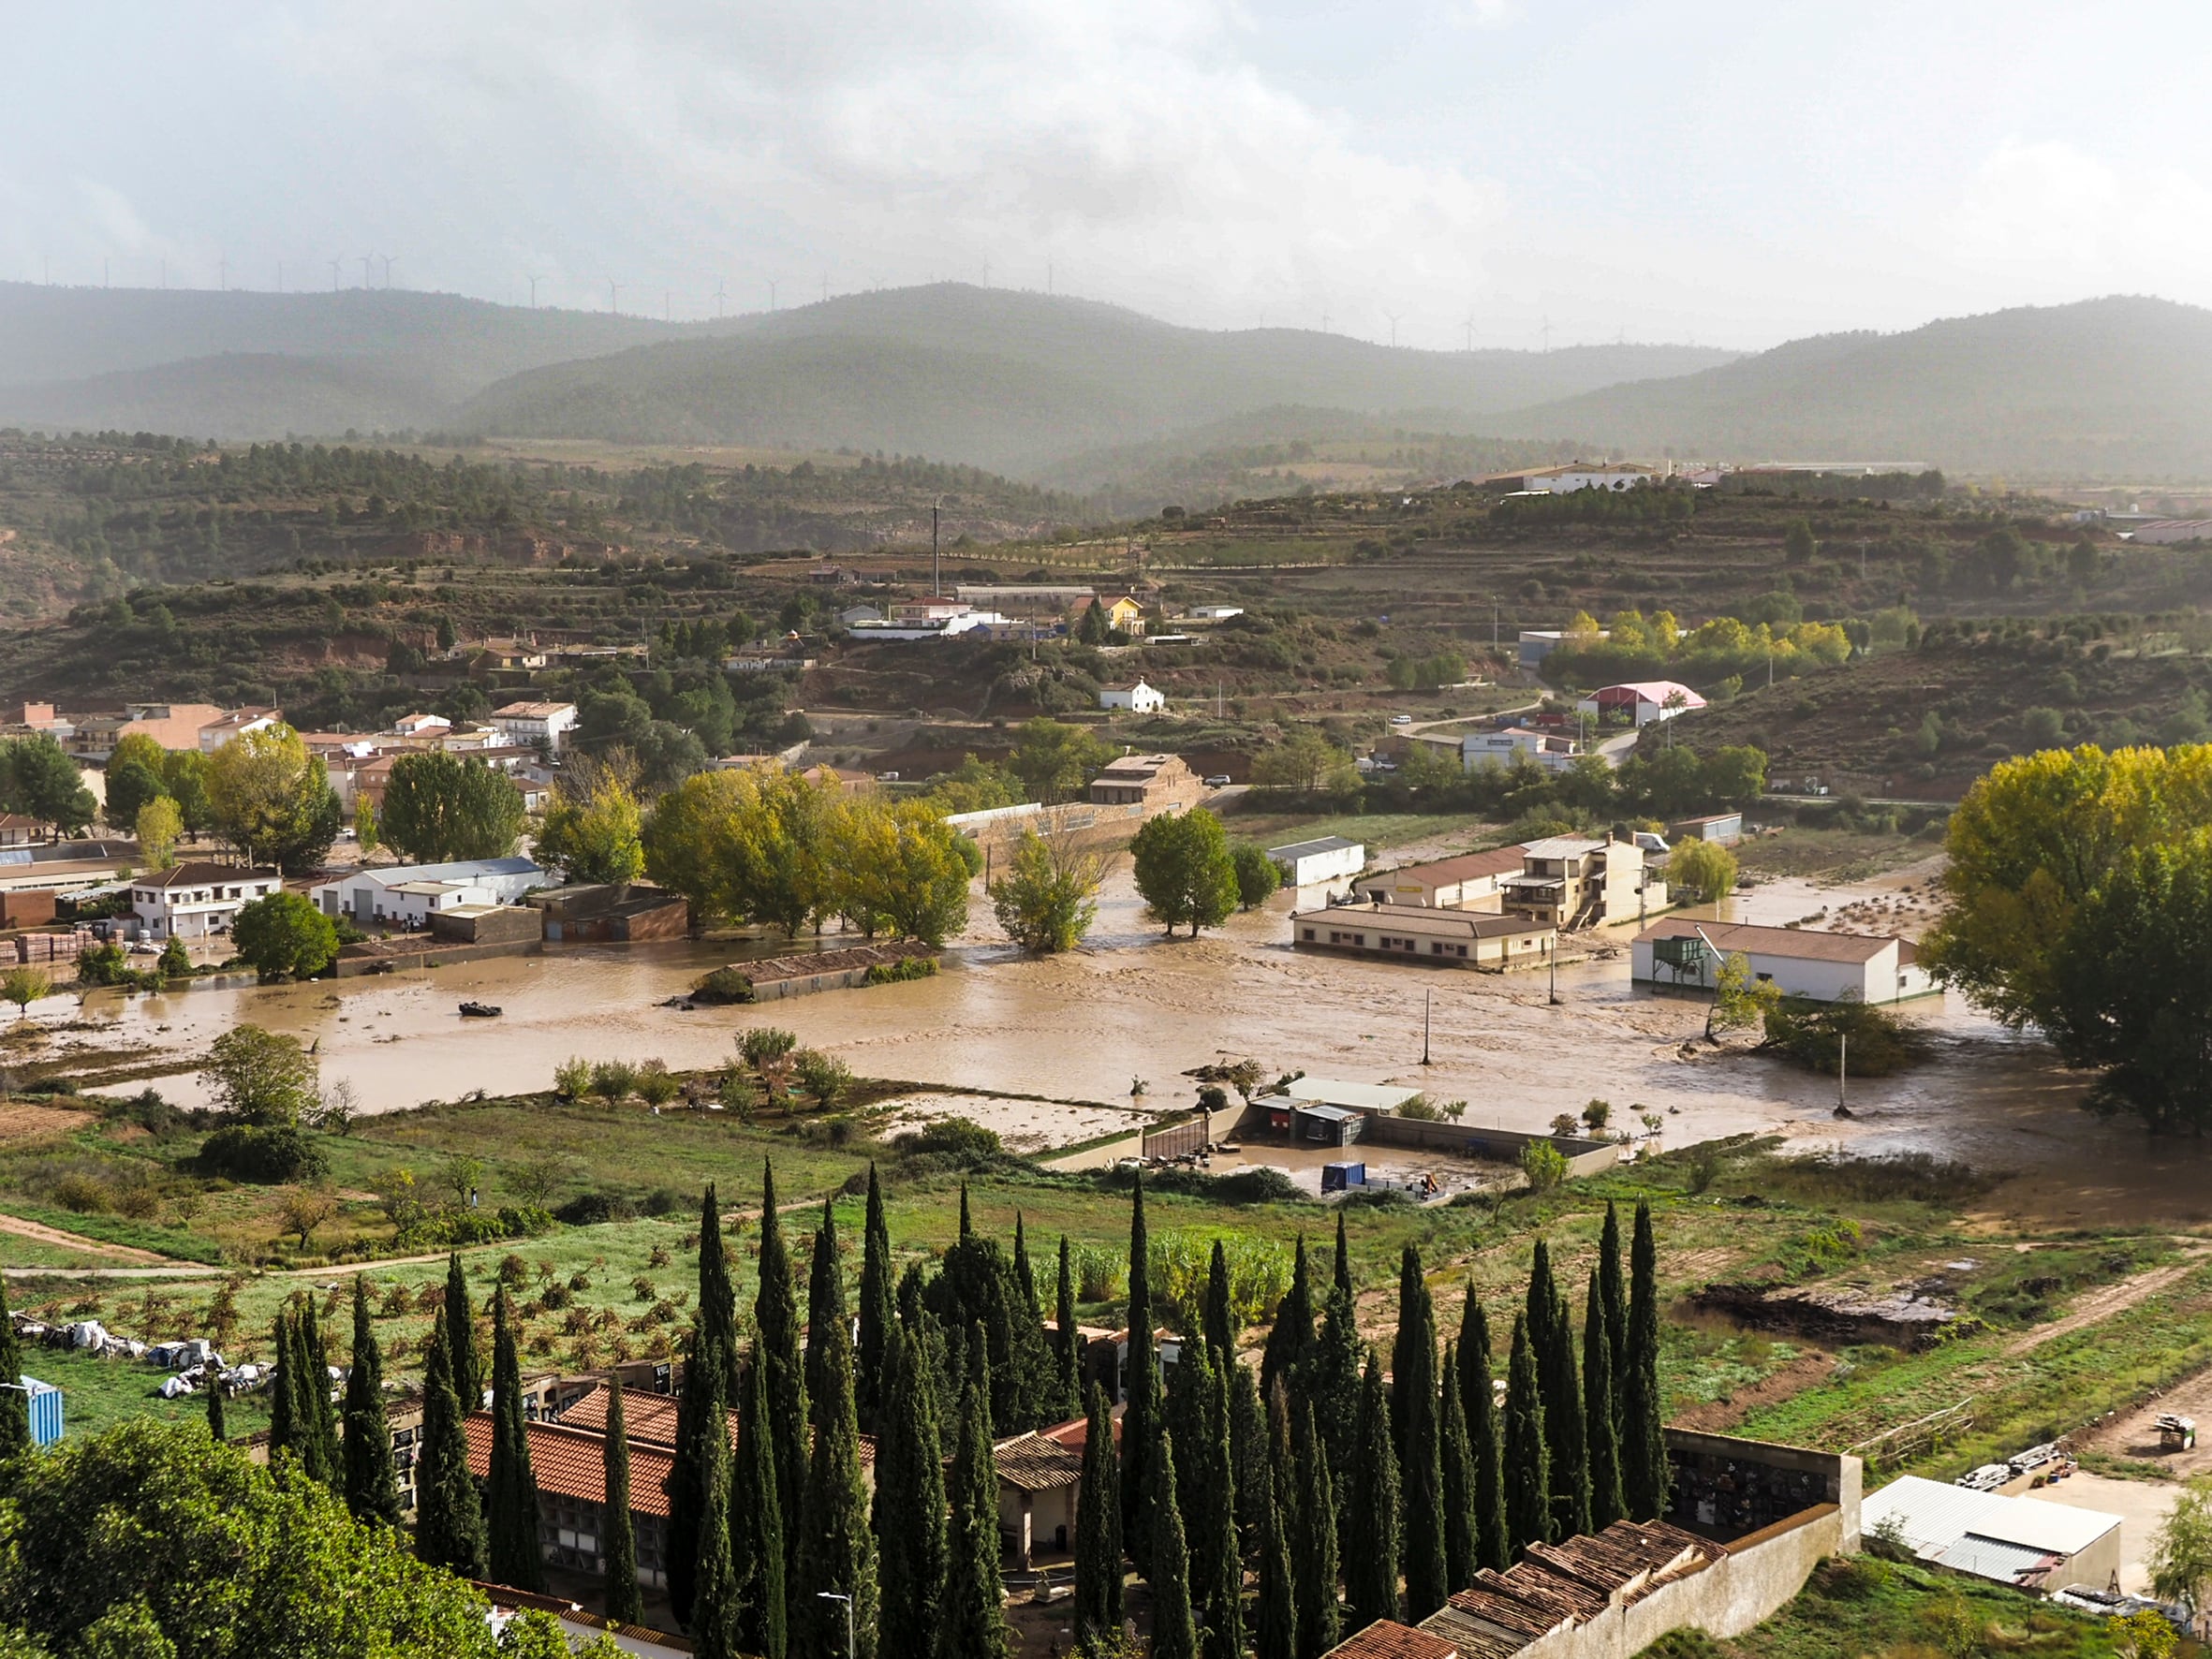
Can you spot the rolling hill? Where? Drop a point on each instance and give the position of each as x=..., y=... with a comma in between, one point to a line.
x=2110, y=387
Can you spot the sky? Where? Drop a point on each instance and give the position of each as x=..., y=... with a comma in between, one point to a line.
x=1495, y=172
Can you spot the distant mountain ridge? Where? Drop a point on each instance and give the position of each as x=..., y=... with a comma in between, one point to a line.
x=2110, y=387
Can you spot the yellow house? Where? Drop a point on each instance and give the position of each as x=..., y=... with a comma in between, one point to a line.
x=1124, y=615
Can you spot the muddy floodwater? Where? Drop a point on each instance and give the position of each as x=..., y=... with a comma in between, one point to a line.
x=1079, y=1028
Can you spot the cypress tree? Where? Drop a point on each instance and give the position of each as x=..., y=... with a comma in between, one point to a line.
x=1614, y=1302
x=1527, y=1459
x=1221, y=1591
x=1479, y=1401
x=284, y=1392
x=468, y=1372
x=1420, y=1442
x=1188, y=1418
x=701, y=1393
x=1140, y=1423
x=909, y=1512
x=1025, y=1275
x=1596, y=1389
x=1343, y=1278
x=971, y=1622
x=1459, y=1480
x=511, y=1495
x=449, y=1518
x=1644, y=1472
x=1371, y=1534
x=1097, y=1530
x=1174, y=1634
x=775, y=1318
x=1221, y=1323
x=1312, y=1540
x=318, y=1413
x=1068, y=1351
x=757, y=1548
x=1552, y=1338
x=718, y=1297
x=371, y=1492
x=1291, y=1338
x=15, y=1406
x=1248, y=1445
x=967, y=1224
x=618, y=1539
x=218, y=1429
x=1275, y=1623
x=716, y=1598
x=836, y=1547
x=1335, y=1389
x=877, y=1312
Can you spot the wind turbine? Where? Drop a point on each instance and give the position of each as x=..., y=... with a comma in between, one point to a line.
x=721, y=297
x=333, y=265
x=614, y=297
x=366, y=260
x=1393, y=328
x=825, y=288
x=772, y=293
x=1547, y=332
x=1469, y=327
x=532, y=293
x=390, y=261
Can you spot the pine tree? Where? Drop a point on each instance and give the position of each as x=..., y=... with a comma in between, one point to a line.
x=1313, y=1542
x=1343, y=1269
x=1644, y=1472
x=1614, y=1302
x=1141, y=1421
x=1097, y=1530
x=1527, y=1459
x=775, y=1318
x=971, y=1622
x=757, y=1548
x=468, y=1372
x=219, y=1429
x=1419, y=1440
x=837, y=1549
x=1551, y=1337
x=717, y=1600
x=511, y=1494
x=910, y=1513
x=1459, y=1480
x=1275, y=1623
x=1175, y=1636
x=15, y=1406
x=877, y=1312
x=1371, y=1533
x=1291, y=1338
x=1068, y=1348
x=1221, y=1591
x=1598, y=1397
x=371, y=1491
x=1479, y=1401
x=1248, y=1445
x=319, y=1412
x=449, y=1518
x=284, y=1391
x=1220, y=1322
x=618, y=1539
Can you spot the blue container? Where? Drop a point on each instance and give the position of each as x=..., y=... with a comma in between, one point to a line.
x=1339, y=1178
x=46, y=1412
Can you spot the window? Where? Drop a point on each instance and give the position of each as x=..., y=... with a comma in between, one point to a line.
x=1309, y=932
x=1462, y=949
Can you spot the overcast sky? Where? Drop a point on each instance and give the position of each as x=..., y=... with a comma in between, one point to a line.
x=1732, y=173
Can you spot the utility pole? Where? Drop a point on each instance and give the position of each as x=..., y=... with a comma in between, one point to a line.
x=333, y=265
x=936, y=575
x=1843, y=1048
x=1555, y=967
x=721, y=298
x=366, y=260
x=1393, y=329
x=223, y=273
x=1427, y=999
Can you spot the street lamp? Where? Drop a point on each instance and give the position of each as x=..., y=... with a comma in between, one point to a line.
x=833, y=1595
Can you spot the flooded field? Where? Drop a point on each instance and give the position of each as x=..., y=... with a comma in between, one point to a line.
x=1081, y=1027
x=1024, y=1126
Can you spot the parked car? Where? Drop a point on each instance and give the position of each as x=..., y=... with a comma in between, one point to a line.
x=1401, y=719
x=1218, y=781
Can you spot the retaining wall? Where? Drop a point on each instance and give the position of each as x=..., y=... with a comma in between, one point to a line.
x=1476, y=1141
x=387, y=959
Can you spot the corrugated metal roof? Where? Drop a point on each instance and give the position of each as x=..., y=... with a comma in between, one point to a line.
x=1987, y=1558
x=1329, y=1092
x=1308, y=849
x=1934, y=1515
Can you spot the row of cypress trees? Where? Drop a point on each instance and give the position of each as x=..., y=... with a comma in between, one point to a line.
x=1435, y=1487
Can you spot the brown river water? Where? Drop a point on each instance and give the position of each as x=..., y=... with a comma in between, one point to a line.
x=1080, y=1027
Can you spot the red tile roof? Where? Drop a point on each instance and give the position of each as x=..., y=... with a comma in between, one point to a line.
x=571, y=1462
x=1387, y=1639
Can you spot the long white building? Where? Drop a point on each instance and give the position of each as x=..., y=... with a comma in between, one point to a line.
x=1822, y=967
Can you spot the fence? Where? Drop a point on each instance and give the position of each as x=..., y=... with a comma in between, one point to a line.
x=1177, y=1140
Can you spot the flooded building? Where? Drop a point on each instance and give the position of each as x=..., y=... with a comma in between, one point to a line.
x=1573, y=882
x=1682, y=951
x=1156, y=783
x=1470, y=881
x=1433, y=937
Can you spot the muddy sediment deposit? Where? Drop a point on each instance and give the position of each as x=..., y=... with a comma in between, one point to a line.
x=1898, y=1319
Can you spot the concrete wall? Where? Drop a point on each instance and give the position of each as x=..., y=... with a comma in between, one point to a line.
x=1474, y=1141
x=1841, y=1477
x=430, y=954
x=1757, y=1576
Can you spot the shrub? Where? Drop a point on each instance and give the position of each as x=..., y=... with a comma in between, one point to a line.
x=1100, y=1272
x=724, y=986
x=447, y=1229
x=613, y=1080
x=1543, y=1164
x=913, y=967
x=824, y=1076
x=573, y=1079
x=766, y=1047
x=592, y=1208
x=264, y=1156
x=138, y=1201
x=1873, y=1041
x=657, y=1085
x=80, y=1194
x=148, y=1112
x=968, y=1145
x=1597, y=1114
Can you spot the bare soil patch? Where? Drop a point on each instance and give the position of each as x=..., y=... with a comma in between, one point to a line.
x=46, y=1235
x=24, y=1120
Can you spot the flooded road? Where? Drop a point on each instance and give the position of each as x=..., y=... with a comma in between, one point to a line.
x=1080, y=1027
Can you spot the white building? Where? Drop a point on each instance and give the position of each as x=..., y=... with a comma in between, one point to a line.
x=194, y=901
x=1820, y=967
x=536, y=722
x=411, y=903
x=421, y=725
x=1579, y=475
x=1213, y=613
x=370, y=896
x=1538, y=643
x=1138, y=698
x=236, y=724
x=1478, y=749
x=1643, y=700
x=2034, y=1543
x=1470, y=881
x=1329, y=858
